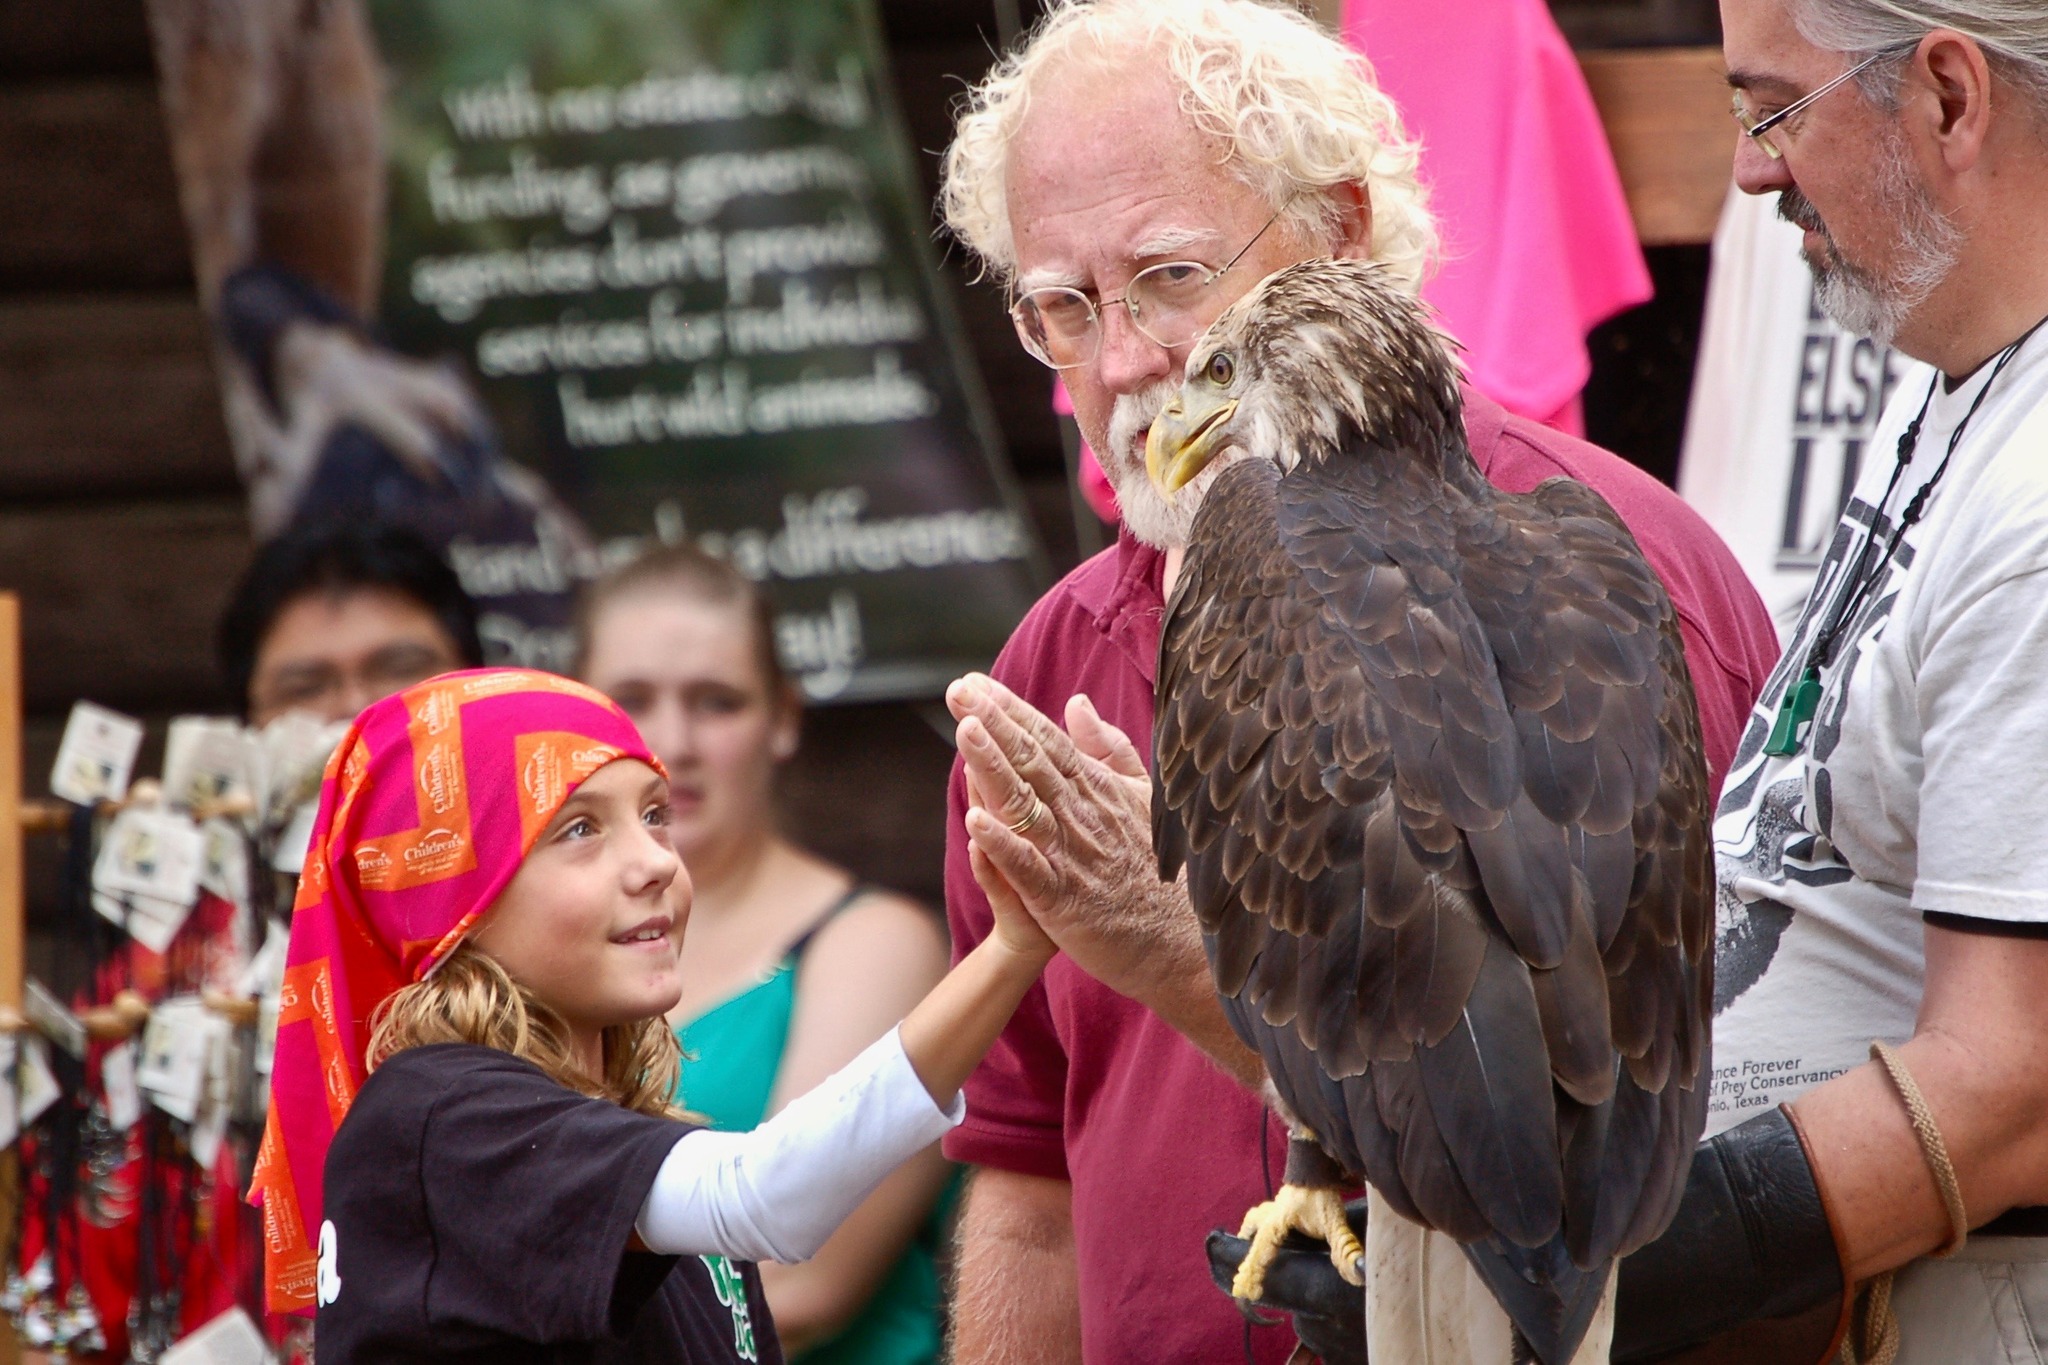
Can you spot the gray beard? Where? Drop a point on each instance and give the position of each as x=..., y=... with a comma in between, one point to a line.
x=1151, y=518
x=1862, y=301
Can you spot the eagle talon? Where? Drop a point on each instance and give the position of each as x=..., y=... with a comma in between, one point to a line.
x=1317, y=1210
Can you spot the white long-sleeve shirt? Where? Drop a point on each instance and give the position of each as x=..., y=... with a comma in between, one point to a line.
x=776, y=1193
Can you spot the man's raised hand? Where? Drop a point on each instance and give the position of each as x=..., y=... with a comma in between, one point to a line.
x=1066, y=822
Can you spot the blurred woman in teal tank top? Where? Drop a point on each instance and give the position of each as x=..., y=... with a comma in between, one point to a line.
x=790, y=968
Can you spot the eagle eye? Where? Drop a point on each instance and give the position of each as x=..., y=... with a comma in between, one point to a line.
x=1220, y=369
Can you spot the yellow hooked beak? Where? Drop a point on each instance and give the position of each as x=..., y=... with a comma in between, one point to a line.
x=1183, y=441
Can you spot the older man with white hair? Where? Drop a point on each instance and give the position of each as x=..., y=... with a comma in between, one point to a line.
x=1129, y=171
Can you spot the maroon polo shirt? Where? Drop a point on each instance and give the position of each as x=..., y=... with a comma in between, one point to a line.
x=1088, y=1086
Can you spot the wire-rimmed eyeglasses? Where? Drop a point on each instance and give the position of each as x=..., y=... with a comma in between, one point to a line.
x=1759, y=130
x=1062, y=327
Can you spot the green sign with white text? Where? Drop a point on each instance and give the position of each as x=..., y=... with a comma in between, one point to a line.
x=679, y=248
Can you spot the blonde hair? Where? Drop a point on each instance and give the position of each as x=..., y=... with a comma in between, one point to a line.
x=1297, y=112
x=469, y=998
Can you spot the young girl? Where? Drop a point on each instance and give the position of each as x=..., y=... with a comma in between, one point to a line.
x=793, y=965
x=471, y=1152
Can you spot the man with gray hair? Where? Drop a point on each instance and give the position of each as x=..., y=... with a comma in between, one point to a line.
x=1882, y=959
x=1129, y=171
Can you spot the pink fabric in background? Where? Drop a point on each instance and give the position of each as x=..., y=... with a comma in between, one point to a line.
x=1095, y=485
x=1538, y=243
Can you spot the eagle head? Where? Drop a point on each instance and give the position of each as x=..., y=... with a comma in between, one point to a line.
x=1320, y=358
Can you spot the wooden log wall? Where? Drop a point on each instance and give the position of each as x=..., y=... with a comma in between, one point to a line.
x=121, y=523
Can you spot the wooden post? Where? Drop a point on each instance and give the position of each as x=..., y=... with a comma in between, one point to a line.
x=12, y=910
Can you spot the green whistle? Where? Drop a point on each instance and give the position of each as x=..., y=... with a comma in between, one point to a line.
x=1795, y=714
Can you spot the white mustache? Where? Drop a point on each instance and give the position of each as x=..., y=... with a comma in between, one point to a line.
x=1131, y=414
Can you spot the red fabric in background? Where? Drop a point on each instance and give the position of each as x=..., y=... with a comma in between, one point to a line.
x=218, y=1255
x=1087, y=1085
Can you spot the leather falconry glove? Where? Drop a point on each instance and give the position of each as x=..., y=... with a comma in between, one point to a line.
x=1328, y=1314
x=1748, y=1271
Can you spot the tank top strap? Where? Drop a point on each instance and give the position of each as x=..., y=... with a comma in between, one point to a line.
x=826, y=916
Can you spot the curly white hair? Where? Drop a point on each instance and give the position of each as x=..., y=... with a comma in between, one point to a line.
x=1296, y=110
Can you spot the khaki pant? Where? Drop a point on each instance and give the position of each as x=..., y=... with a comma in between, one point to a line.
x=1986, y=1305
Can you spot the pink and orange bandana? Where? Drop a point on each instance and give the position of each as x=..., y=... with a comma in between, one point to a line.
x=427, y=809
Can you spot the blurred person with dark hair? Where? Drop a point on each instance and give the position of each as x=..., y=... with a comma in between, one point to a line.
x=792, y=965
x=328, y=619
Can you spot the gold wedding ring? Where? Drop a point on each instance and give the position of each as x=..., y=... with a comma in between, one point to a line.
x=1031, y=817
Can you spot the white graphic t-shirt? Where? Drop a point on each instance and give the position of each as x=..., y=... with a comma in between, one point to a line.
x=1784, y=403
x=1923, y=783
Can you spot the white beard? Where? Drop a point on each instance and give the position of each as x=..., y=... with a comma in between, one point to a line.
x=1161, y=524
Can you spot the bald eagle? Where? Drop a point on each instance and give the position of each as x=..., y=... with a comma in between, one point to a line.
x=1429, y=756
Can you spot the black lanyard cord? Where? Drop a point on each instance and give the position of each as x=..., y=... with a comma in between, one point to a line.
x=1847, y=602
x=1802, y=696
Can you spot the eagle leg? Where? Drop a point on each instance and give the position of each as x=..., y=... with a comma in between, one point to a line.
x=1310, y=1200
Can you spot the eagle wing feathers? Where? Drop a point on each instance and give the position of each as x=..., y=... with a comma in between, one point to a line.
x=1433, y=771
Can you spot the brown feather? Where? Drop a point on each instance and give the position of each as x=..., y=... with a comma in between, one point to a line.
x=1430, y=756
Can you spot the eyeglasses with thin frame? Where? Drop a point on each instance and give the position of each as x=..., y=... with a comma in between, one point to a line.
x=1760, y=129
x=1062, y=327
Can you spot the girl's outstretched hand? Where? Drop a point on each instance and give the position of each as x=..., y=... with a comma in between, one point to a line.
x=1013, y=923
x=952, y=1029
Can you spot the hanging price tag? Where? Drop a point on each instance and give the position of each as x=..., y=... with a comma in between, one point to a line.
x=49, y=1015
x=210, y=761
x=172, y=1068
x=151, y=922
x=265, y=973
x=96, y=755
x=10, y=1108
x=293, y=840
x=151, y=852
x=266, y=1034
x=230, y=1339
x=295, y=748
x=216, y=1100
x=224, y=868
x=118, y=1088
x=27, y=1086
x=38, y=1088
